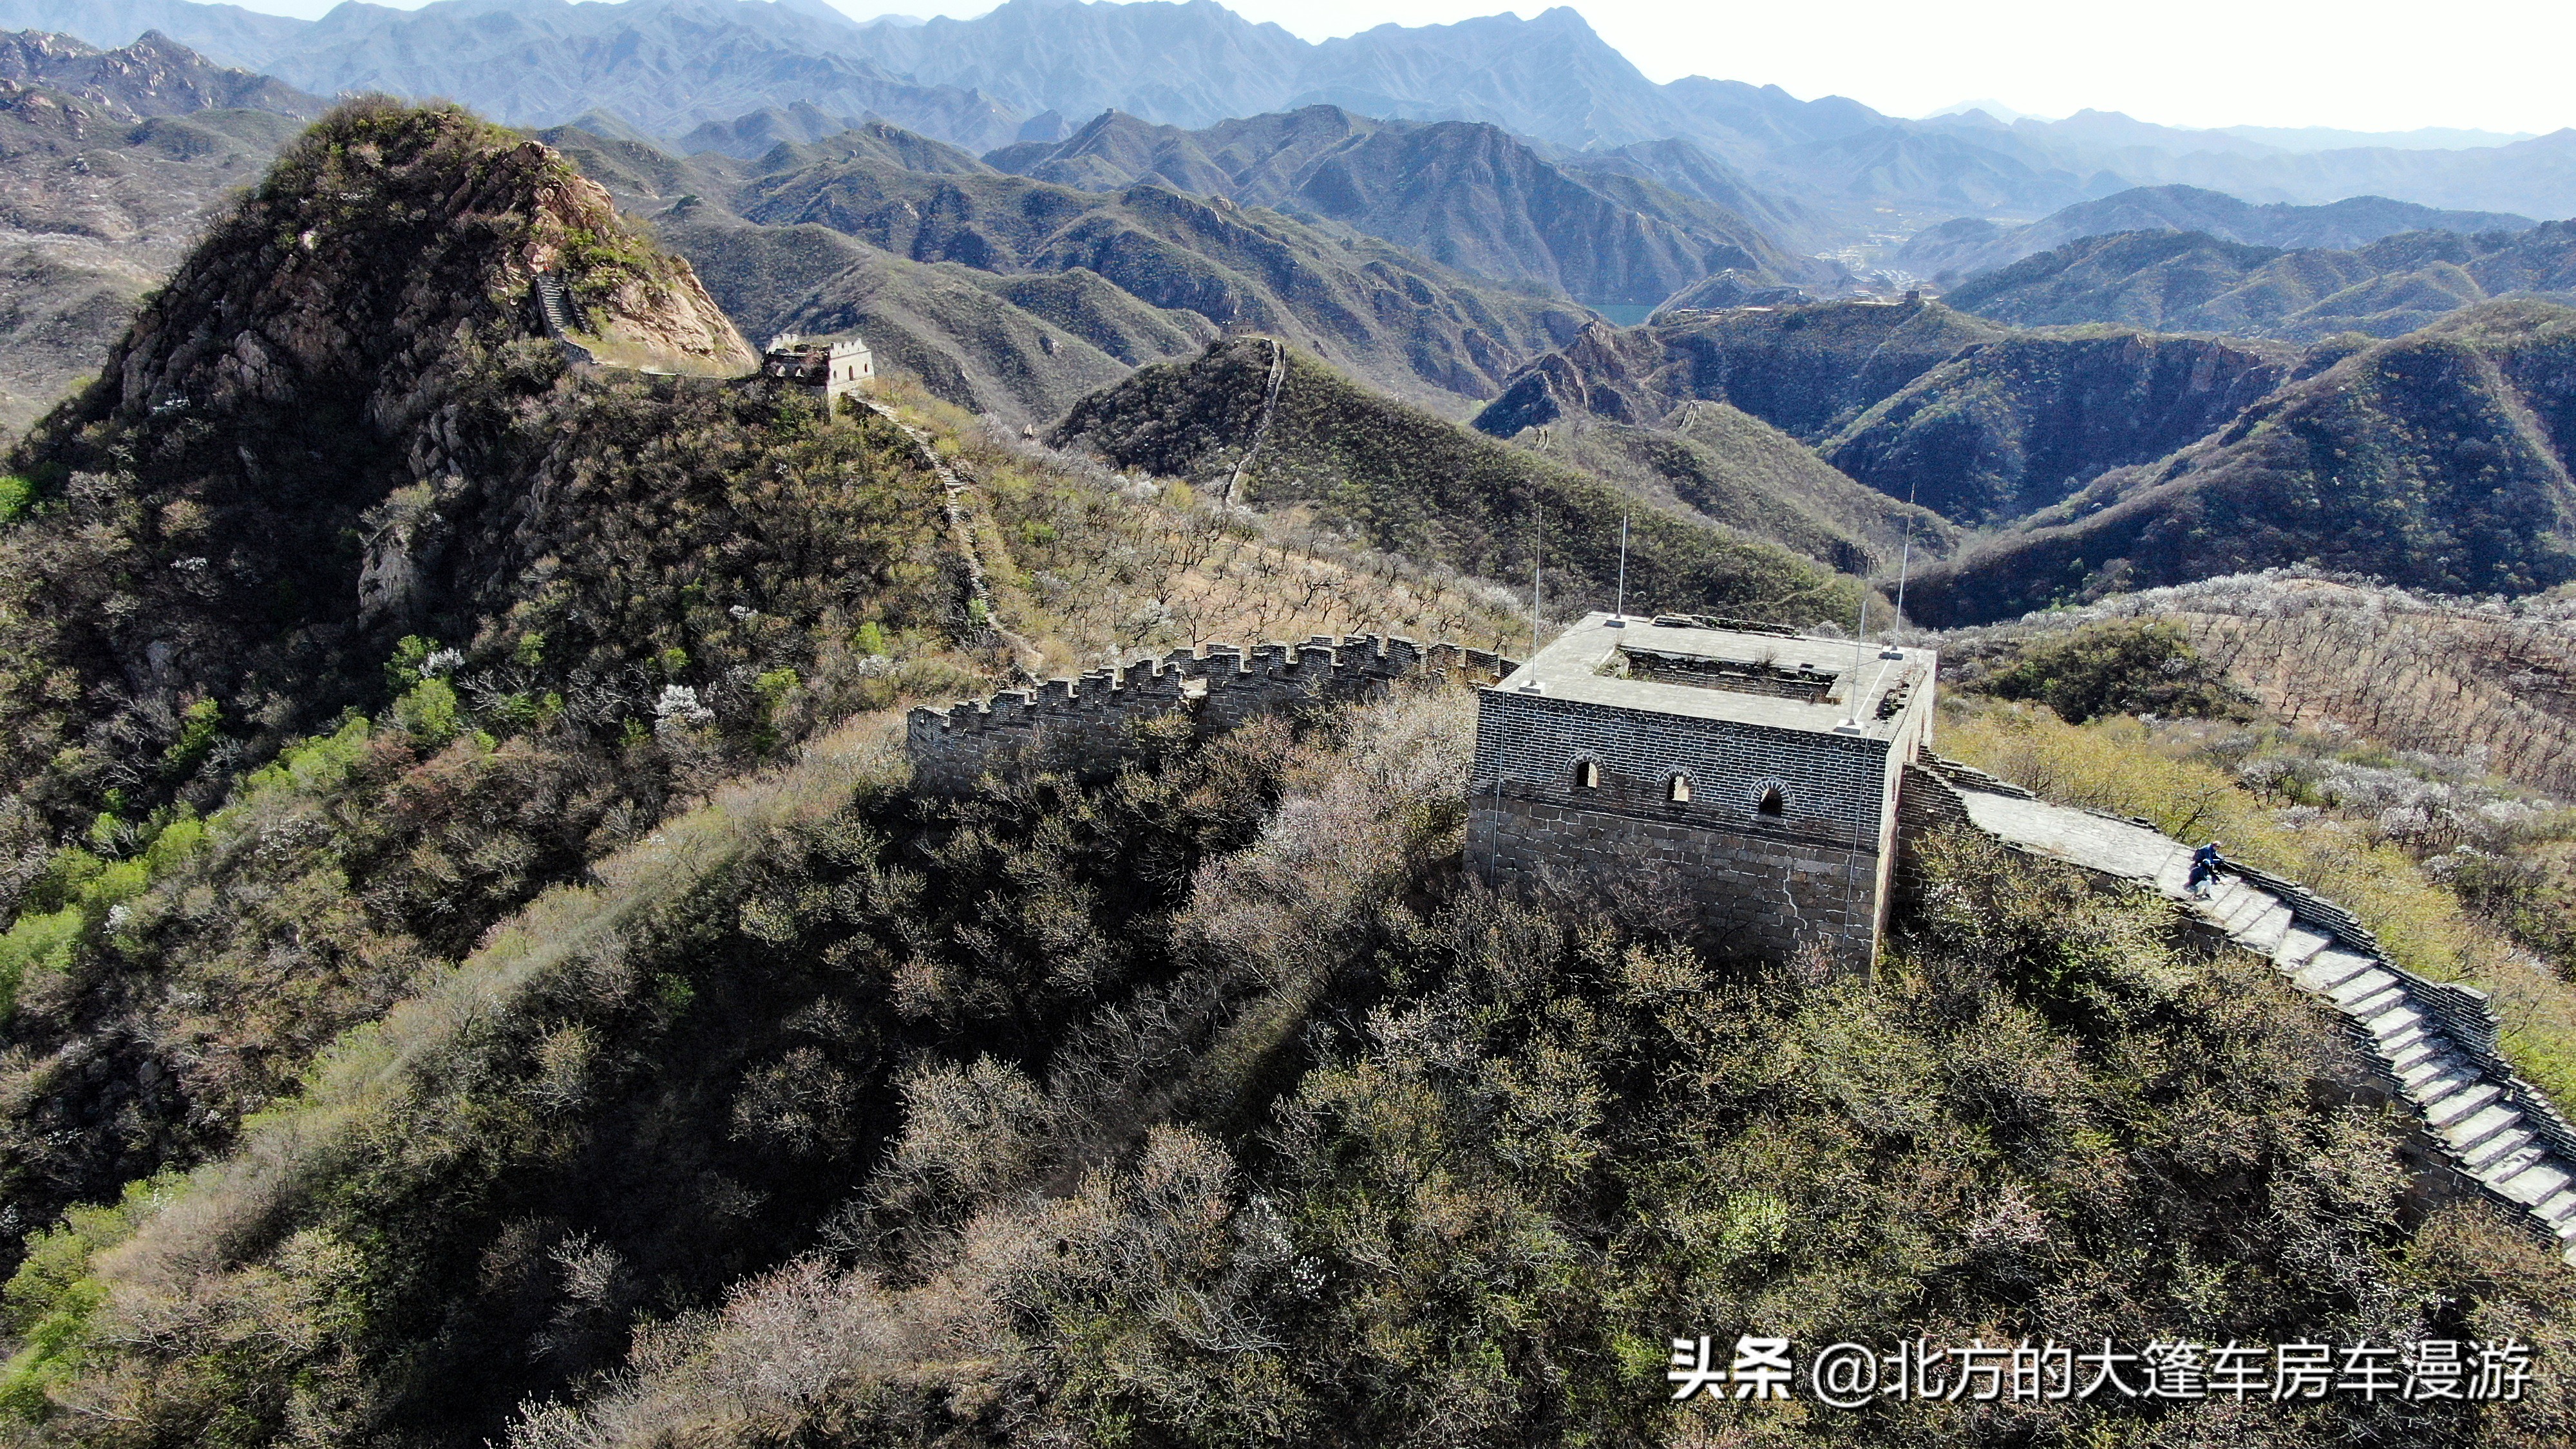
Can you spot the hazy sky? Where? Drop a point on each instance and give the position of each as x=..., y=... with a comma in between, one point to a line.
x=2363, y=64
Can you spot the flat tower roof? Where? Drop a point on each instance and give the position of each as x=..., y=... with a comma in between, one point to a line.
x=1683, y=667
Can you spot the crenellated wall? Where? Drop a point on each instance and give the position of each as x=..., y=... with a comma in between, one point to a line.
x=1088, y=724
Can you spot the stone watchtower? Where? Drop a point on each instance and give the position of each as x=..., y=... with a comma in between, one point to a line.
x=1752, y=771
x=840, y=366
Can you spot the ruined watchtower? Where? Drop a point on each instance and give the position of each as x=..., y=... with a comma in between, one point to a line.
x=1752, y=771
x=840, y=366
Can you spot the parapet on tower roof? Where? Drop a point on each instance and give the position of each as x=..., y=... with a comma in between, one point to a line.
x=1723, y=670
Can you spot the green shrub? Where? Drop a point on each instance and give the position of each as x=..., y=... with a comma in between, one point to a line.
x=429, y=712
x=199, y=725
x=2124, y=666
x=49, y=1302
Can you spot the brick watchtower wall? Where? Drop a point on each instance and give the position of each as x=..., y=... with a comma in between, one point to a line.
x=1763, y=885
x=1088, y=725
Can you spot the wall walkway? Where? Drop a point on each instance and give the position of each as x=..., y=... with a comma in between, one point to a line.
x=2433, y=1043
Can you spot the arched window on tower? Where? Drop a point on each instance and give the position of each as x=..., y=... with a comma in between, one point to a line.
x=1587, y=775
x=1679, y=791
x=1772, y=803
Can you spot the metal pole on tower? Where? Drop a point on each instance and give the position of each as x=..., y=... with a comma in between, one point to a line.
x=1904, y=566
x=1860, y=645
x=1538, y=543
x=1621, y=611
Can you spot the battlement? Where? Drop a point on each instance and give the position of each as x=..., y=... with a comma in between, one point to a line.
x=1087, y=723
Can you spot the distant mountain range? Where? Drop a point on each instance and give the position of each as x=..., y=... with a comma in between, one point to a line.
x=1968, y=245
x=879, y=230
x=1040, y=70
x=2194, y=282
x=154, y=76
x=1466, y=194
x=109, y=163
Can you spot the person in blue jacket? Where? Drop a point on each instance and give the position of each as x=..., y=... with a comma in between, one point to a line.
x=2204, y=869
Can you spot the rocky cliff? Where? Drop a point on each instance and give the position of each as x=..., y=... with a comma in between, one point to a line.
x=260, y=485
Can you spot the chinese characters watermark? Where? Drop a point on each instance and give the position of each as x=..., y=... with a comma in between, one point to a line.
x=1851, y=1375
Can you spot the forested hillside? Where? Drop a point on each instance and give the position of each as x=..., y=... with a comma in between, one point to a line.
x=1402, y=480
x=2009, y=427
x=2434, y=461
x=478, y=968
x=2192, y=282
x=1804, y=369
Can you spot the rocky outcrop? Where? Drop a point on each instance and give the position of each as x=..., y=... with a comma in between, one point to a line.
x=268, y=482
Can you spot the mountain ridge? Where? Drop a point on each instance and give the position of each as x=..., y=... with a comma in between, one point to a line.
x=2435, y=460
x=153, y=76
x=1959, y=249
x=1017, y=71
x=2189, y=281
x=1464, y=194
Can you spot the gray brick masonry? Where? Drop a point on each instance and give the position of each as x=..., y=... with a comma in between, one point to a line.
x=1088, y=725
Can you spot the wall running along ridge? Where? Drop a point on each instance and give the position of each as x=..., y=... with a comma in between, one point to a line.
x=1088, y=725
x=2430, y=1045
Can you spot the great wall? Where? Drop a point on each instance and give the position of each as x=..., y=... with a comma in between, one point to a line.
x=1786, y=828
x=1088, y=723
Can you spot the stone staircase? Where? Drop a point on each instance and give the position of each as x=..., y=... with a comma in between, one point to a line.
x=555, y=307
x=2433, y=1043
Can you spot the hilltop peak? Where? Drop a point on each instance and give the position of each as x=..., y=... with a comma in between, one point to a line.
x=380, y=237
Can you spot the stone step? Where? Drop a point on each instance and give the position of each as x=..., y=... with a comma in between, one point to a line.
x=2410, y=1036
x=2434, y=1091
x=2425, y=1068
x=2173, y=871
x=2379, y=1005
x=2558, y=1209
x=2265, y=934
x=2360, y=986
x=2465, y=1133
x=2333, y=966
x=2505, y=1154
x=2236, y=905
x=2532, y=1184
x=2397, y=1020
x=2299, y=945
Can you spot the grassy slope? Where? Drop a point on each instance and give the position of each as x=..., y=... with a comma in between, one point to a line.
x=1405, y=481
x=1731, y=467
